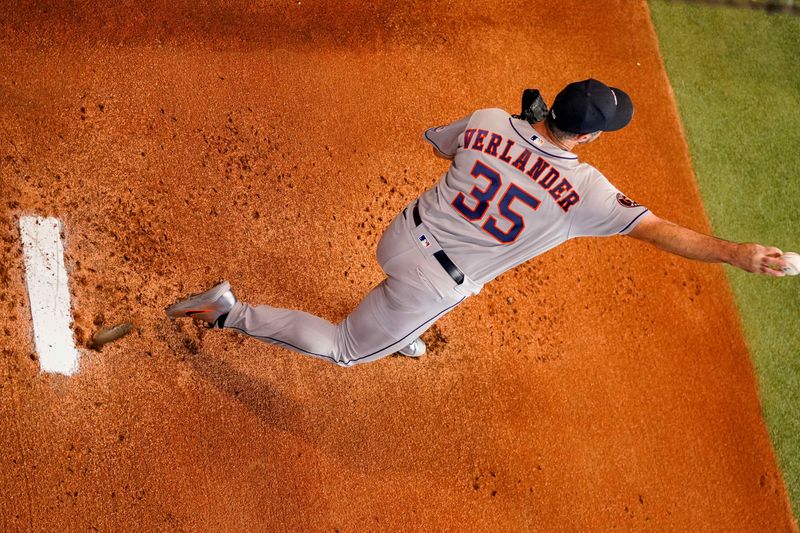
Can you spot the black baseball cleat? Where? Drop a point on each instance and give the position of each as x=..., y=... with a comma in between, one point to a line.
x=207, y=306
x=415, y=349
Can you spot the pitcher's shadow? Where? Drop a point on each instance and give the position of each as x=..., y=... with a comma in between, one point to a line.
x=356, y=444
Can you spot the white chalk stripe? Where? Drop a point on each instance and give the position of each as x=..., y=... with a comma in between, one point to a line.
x=48, y=292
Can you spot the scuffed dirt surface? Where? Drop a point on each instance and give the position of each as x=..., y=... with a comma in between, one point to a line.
x=603, y=386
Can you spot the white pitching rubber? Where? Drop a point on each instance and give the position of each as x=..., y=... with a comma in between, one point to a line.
x=48, y=292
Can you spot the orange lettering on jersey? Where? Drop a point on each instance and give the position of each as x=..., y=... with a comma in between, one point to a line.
x=560, y=189
x=538, y=167
x=569, y=200
x=504, y=156
x=522, y=160
x=494, y=142
x=551, y=177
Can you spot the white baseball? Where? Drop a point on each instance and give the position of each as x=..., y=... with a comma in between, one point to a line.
x=792, y=267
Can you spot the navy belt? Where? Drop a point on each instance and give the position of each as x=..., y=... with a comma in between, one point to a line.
x=440, y=256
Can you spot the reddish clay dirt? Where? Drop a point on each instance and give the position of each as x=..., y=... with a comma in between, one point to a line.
x=604, y=386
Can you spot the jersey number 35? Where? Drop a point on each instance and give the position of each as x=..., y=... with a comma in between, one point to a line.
x=486, y=196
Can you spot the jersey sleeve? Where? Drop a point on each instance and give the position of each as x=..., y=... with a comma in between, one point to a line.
x=605, y=211
x=446, y=138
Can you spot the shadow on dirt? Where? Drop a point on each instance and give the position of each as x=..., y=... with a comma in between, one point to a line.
x=268, y=24
x=375, y=432
x=265, y=401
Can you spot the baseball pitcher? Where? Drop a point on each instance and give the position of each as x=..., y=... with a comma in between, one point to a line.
x=514, y=190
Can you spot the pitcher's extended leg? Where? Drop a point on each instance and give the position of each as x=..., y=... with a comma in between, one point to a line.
x=391, y=316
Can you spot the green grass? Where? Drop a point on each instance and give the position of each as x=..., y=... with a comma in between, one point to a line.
x=736, y=76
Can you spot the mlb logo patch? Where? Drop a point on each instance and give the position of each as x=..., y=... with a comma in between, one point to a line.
x=424, y=240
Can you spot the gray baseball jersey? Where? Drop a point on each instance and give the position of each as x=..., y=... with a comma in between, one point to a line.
x=510, y=195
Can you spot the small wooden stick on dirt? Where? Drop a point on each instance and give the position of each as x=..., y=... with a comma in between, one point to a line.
x=106, y=335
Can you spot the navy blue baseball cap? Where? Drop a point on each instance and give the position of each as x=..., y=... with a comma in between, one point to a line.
x=590, y=105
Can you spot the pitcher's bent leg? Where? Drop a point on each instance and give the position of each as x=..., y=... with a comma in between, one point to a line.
x=391, y=316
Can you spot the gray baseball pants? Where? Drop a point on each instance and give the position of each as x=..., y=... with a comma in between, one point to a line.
x=417, y=291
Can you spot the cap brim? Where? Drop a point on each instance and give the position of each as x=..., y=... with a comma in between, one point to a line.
x=624, y=111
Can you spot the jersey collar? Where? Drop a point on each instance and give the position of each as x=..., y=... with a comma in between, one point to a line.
x=537, y=142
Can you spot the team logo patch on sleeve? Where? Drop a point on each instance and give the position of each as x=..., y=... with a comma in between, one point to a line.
x=624, y=201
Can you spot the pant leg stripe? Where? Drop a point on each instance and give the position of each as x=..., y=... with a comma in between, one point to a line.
x=395, y=343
